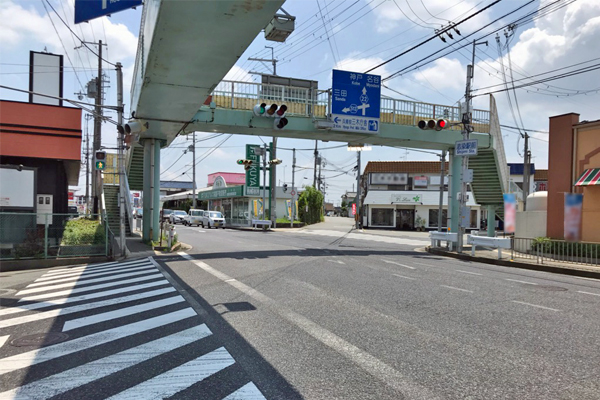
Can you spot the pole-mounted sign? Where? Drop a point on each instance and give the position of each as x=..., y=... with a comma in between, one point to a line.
x=86, y=10
x=355, y=102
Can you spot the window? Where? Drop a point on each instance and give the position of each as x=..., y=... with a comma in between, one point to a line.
x=382, y=216
x=433, y=218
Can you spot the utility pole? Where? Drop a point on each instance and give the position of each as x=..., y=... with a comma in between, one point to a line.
x=264, y=154
x=357, y=189
x=194, y=170
x=467, y=128
x=320, y=179
x=272, y=60
x=88, y=163
x=121, y=155
x=292, y=216
x=315, y=170
x=273, y=181
x=526, y=171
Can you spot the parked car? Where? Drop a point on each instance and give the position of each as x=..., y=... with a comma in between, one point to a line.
x=138, y=213
x=178, y=216
x=165, y=214
x=213, y=219
x=194, y=217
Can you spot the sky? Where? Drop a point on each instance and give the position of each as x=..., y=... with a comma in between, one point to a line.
x=557, y=37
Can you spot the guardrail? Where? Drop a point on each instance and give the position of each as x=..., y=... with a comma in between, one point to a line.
x=261, y=222
x=437, y=237
x=494, y=242
x=550, y=250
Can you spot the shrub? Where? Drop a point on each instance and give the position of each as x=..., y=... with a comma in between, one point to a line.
x=83, y=231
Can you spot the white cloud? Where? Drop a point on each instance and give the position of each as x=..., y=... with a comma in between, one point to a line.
x=443, y=74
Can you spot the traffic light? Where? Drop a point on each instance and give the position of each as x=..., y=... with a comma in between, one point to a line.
x=273, y=111
x=100, y=160
x=246, y=163
x=259, y=109
x=285, y=186
x=437, y=125
x=275, y=161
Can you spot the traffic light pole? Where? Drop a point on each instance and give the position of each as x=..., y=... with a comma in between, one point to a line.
x=467, y=128
x=194, y=170
x=121, y=155
x=292, y=216
x=358, y=190
x=272, y=184
x=264, y=207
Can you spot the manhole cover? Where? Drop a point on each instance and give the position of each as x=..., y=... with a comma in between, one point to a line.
x=553, y=288
x=5, y=292
x=40, y=339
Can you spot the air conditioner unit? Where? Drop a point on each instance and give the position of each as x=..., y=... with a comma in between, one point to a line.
x=280, y=27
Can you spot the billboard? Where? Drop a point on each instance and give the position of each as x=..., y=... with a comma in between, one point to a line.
x=45, y=77
x=17, y=187
x=253, y=173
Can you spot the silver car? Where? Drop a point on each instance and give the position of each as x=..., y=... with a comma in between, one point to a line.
x=213, y=219
x=178, y=216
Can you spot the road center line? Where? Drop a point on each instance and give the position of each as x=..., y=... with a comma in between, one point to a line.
x=534, y=305
x=405, y=277
x=467, y=272
x=593, y=294
x=364, y=360
x=455, y=288
x=426, y=265
x=395, y=263
x=525, y=282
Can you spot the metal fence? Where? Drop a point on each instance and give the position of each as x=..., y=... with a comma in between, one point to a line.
x=31, y=236
x=549, y=250
x=310, y=102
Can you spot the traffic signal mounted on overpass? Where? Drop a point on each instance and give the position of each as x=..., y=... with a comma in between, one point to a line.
x=437, y=125
x=273, y=111
x=246, y=163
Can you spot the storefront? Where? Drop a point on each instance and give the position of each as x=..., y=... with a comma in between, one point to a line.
x=409, y=210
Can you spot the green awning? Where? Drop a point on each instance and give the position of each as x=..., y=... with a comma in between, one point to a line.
x=589, y=177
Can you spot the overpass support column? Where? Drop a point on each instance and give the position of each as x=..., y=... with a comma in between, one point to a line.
x=454, y=190
x=491, y=220
x=147, y=187
x=156, y=191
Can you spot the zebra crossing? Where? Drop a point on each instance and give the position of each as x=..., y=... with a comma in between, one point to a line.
x=126, y=333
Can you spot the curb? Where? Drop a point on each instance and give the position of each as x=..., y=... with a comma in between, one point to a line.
x=515, y=264
x=31, y=264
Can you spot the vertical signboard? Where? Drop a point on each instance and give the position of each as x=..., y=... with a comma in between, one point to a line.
x=355, y=102
x=573, y=208
x=353, y=208
x=253, y=173
x=45, y=77
x=510, y=212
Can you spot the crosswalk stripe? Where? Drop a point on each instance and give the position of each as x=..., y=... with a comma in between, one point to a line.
x=93, y=267
x=84, y=273
x=68, y=292
x=3, y=340
x=247, y=392
x=89, y=296
x=87, y=278
x=82, y=307
x=33, y=357
x=179, y=378
x=122, y=312
x=86, y=373
x=85, y=282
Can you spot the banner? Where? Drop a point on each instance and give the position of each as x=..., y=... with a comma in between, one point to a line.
x=253, y=173
x=257, y=208
x=573, y=208
x=510, y=212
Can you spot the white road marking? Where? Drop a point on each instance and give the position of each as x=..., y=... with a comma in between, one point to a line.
x=39, y=289
x=33, y=357
x=86, y=373
x=420, y=263
x=247, y=392
x=534, y=305
x=593, y=294
x=467, y=272
x=336, y=261
x=361, y=236
x=364, y=360
x=87, y=276
x=82, y=307
x=94, y=267
x=122, y=312
x=89, y=296
x=68, y=292
x=169, y=383
x=455, y=288
x=3, y=340
x=405, y=277
x=395, y=263
x=525, y=282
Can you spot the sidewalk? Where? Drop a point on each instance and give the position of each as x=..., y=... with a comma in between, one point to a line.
x=491, y=257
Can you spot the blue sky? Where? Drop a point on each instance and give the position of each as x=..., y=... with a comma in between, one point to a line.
x=352, y=35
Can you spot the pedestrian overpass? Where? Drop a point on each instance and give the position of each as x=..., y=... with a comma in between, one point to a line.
x=186, y=48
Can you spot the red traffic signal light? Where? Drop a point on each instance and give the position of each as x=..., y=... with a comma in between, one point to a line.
x=437, y=125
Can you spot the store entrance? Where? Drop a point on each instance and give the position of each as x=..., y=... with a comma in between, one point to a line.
x=405, y=220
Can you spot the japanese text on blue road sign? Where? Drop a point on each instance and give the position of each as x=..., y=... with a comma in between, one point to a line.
x=466, y=147
x=355, y=102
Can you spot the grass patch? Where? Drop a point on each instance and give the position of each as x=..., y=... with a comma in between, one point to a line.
x=83, y=231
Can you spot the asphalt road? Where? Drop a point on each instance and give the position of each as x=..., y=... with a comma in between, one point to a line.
x=321, y=313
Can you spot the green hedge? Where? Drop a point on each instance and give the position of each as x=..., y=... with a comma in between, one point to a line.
x=81, y=231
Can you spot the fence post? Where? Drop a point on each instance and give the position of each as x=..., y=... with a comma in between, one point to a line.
x=46, y=236
x=232, y=95
x=105, y=236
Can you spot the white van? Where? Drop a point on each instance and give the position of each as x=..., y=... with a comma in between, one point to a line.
x=194, y=217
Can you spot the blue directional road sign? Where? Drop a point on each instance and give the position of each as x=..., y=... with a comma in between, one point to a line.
x=86, y=10
x=355, y=102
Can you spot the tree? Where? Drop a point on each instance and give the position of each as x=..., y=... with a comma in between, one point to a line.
x=312, y=198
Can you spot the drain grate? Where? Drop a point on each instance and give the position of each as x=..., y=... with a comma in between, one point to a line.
x=40, y=339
